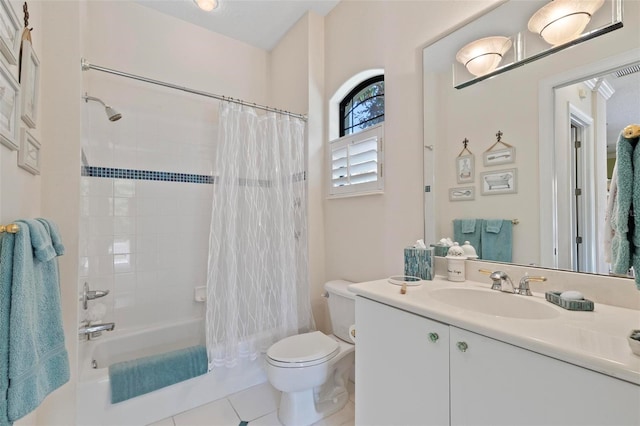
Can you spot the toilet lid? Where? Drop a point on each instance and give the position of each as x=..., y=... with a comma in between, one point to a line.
x=303, y=348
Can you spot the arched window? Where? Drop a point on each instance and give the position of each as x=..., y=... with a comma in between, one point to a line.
x=363, y=107
x=356, y=157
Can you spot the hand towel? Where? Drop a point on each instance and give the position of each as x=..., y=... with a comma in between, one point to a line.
x=468, y=230
x=143, y=375
x=497, y=240
x=38, y=359
x=468, y=226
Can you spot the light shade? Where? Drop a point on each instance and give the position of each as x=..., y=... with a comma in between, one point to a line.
x=484, y=55
x=561, y=21
x=207, y=5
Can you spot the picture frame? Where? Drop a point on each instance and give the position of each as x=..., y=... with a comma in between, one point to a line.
x=9, y=109
x=499, y=182
x=465, y=169
x=499, y=156
x=466, y=193
x=29, y=82
x=29, y=155
x=10, y=32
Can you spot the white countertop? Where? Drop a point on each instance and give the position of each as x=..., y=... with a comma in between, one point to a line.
x=595, y=340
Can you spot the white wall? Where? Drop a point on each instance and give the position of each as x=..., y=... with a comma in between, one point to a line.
x=365, y=236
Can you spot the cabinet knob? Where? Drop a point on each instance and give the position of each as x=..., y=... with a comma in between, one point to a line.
x=462, y=346
x=433, y=337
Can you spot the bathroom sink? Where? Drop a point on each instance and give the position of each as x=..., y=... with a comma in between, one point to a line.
x=492, y=302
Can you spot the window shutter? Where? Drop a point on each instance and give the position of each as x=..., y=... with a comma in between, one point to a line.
x=356, y=163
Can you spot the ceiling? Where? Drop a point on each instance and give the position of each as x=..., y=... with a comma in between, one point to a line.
x=260, y=23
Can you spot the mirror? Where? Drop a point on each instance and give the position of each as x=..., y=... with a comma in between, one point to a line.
x=534, y=106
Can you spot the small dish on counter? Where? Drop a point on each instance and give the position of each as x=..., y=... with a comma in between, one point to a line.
x=405, y=280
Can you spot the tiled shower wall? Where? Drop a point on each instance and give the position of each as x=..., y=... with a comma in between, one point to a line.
x=143, y=236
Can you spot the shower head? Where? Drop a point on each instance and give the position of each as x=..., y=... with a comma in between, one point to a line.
x=112, y=114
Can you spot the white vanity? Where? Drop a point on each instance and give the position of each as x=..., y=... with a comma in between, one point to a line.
x=433, y=357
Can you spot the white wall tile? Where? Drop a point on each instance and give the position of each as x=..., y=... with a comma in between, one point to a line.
x=124, y=188
x=124, y=206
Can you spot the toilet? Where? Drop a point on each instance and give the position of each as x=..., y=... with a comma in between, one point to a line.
x=312, y=369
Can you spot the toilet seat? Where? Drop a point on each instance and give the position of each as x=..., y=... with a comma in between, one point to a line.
x=303, y=350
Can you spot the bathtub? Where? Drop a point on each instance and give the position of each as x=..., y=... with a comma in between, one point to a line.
x=94, y=393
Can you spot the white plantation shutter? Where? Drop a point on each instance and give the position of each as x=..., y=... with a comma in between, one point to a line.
x=356, y=163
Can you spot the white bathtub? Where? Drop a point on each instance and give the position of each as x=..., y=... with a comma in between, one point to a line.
x=94, y=393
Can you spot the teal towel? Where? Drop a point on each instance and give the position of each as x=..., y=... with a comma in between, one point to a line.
x=494, y=225
x=497, y=240
x=56, y=239
x=38, y=361
x=6, y=271
x=468, y=230
x=626, y=239
x=143, y=375
x=468, y=226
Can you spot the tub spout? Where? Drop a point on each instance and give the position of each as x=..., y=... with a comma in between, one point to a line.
x=91, y=331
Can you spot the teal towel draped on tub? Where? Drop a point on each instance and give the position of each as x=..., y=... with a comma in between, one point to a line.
x=34, y=361
x=143, y=375
x=468, y=230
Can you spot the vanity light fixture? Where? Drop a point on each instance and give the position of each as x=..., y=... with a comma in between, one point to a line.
x=208, y=5
x=561, y=21
x=482, y=56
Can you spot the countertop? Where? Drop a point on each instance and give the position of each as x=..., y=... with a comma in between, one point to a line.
x=596, y=340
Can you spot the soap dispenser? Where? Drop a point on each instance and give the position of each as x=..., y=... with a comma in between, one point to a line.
x=469, y=251
x=455, y=263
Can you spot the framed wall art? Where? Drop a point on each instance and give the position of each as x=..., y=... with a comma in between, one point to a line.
x=9, y=32
x=499, y=182
x=465, y=167
x=9, y=109
x=29, y=155
x=467, y=193
x=29, y=82
x=497, y=155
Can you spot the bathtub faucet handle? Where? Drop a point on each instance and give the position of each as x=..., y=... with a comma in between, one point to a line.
x=91, y=294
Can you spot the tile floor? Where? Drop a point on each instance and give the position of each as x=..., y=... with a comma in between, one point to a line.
x=256, y=406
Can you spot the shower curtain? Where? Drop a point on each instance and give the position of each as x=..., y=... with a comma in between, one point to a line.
x=257, y=284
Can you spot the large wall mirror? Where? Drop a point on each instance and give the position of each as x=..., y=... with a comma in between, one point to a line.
x=587, y=93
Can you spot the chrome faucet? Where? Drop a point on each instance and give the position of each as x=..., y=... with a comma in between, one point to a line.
x=499, y=279
x=88, y=331
x=523, y=289
x=91, y=295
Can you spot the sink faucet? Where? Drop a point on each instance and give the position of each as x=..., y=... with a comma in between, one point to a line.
x=89, y=331
x=523, y=288
x=499, y=279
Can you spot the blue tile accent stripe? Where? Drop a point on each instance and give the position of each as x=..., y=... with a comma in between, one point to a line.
x=113, y=173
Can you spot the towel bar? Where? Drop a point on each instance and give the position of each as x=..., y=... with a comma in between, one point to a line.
x=515, y=221
x=12, y=228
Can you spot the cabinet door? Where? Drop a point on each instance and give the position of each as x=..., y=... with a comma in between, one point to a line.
x=402, y=367
x=494, y=383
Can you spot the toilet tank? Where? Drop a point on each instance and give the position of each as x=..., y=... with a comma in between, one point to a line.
x=342, y=308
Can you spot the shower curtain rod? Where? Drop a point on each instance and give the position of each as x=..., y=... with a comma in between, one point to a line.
x=86, y=66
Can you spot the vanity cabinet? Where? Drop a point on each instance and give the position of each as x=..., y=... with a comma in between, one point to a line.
x=463, y=378
x=402, y=373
